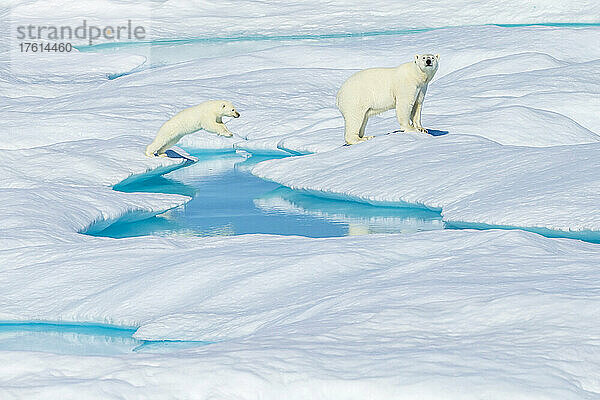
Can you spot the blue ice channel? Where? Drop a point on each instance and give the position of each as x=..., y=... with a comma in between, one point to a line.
x=81, y=339
x=228, y=200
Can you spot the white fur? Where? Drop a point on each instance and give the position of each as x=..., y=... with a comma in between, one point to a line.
x=375, y=90
x=207, y=116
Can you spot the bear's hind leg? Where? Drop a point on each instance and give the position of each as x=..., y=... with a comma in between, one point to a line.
x=352, y=130
x=151, y=149
x=354, y=127
x=149, y=152
x=166, y=145
x=361, y=132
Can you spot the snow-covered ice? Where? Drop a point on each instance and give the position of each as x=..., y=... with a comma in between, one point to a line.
x=183, y=19
x=449, y=314
x=452, y=314
x=469, y=178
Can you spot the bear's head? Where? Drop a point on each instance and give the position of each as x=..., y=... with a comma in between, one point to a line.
x=427, y=63
x=228, y=110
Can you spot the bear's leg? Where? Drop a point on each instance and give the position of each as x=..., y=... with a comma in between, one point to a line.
x=152, y=148
x=352, y=127
x=163, y=148
x=361, y=132
x=416, y=114
x=149, y=151
x=219, y=128
x=223, y=131
x=160, y=151
x=166, y=137
x=403, y=114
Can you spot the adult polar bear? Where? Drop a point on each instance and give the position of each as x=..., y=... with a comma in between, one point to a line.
x=375, y=90
x=207, y=115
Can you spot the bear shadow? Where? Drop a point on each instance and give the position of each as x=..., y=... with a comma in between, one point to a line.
x=173, y=154
x=435, y=132
x=432, y=132
x=177, y=152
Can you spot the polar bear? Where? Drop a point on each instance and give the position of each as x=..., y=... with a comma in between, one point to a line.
x=207, y=115
x=375, y=90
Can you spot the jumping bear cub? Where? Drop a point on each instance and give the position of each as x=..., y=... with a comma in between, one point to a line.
x=207, y=115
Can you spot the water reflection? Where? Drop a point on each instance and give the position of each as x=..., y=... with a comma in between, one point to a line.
x=360, y=219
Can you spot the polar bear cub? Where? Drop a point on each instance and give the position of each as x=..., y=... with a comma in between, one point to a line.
x=375, y=90
x=207, y=115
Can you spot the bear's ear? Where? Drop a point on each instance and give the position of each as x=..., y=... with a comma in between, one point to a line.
x=437, y=56
x=416, y=57
x=223, y=105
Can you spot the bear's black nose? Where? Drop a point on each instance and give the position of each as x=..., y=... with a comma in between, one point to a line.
x=428, y=62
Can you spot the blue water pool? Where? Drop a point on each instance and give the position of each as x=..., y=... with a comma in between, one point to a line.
x=80, y=339
x=228, y=200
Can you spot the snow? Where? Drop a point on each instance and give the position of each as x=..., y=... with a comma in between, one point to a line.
x=452, y=314
x=59, y=68
x=441, y=314
x=172, y=19
x=544, y=93
x=73, y=198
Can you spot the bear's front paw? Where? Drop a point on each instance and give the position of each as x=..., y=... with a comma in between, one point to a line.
x=422, y=130
x=226, y=134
